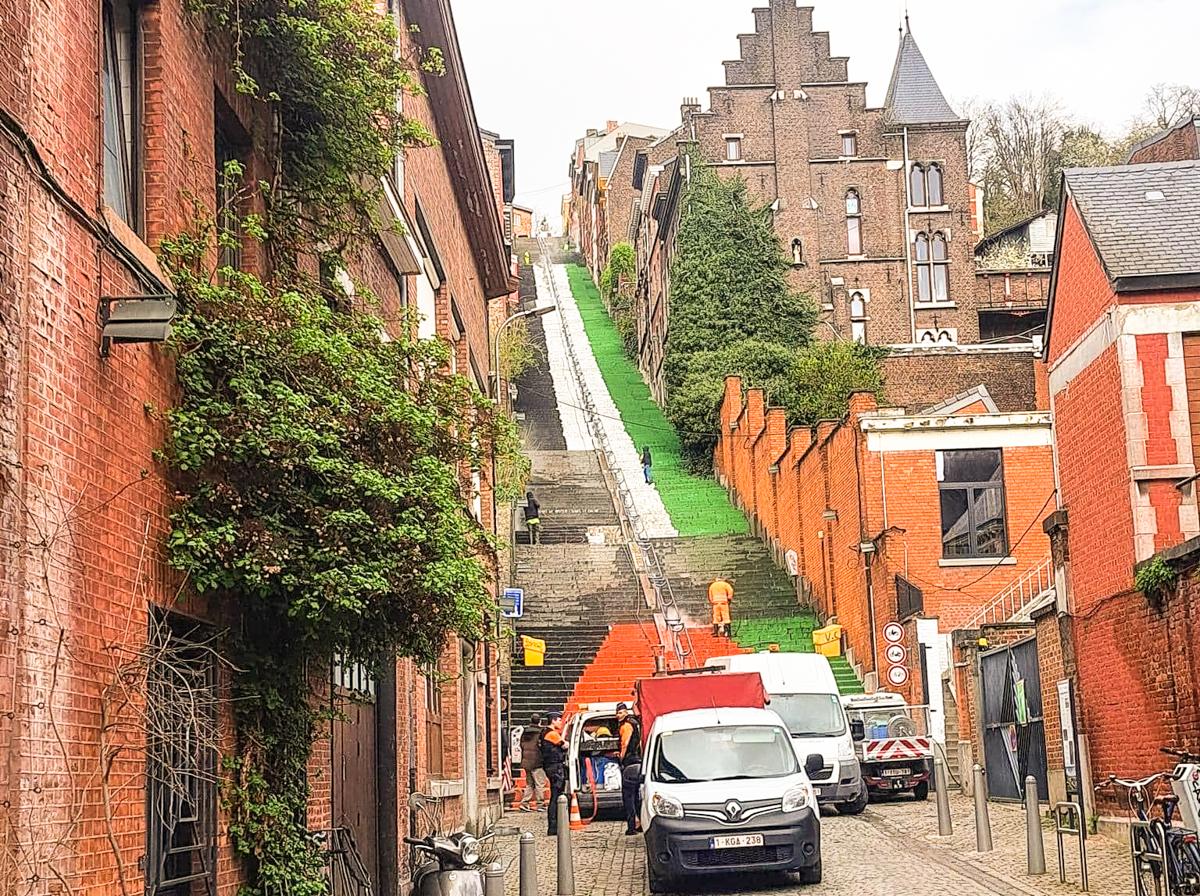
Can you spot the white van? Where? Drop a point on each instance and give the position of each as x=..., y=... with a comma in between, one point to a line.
x=723, y=792
x=593, y=772
x=805, y=694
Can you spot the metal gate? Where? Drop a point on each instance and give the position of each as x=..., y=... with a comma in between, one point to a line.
x=1014, y=734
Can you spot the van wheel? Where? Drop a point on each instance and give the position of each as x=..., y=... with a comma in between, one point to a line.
x=921, y=792
x=809, y=875
x=855, y=806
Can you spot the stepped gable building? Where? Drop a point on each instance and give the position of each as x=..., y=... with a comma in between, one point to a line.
x=873, y=205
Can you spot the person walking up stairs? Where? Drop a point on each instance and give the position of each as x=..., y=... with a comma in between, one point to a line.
x=720, y=596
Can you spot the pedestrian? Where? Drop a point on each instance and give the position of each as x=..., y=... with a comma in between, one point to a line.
x=630, y=733
x=720, y=596
x=533, y=520
x=647, y=463
x=554, y=764
x=531, y=764
x=526, y=259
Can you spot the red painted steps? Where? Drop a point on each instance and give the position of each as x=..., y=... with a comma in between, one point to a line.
x=627, y=654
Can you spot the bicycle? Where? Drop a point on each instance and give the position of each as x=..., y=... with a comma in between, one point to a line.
x=1166, y=859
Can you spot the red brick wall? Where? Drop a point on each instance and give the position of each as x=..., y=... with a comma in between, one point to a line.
x=1082, y=291
x=1176, y=145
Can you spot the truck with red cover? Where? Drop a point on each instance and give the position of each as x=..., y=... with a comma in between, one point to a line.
x=697, y=690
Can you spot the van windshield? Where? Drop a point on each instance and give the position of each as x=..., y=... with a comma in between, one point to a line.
x=726, y=753
x=810, y=715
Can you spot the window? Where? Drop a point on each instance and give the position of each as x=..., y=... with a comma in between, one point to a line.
x=433, y=722
x=971, y=491
x=735, y=752
x=797, y=252
x=228, y=190
x=849, y=143
x=854, y=242
x=916, y=187
x=925, y=187
x=122, y=97
x=858, y=317
x=181, y=758
x=733, y=149
x=933, y=177
x=933, y=267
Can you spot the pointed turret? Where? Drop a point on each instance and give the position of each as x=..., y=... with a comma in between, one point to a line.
x=913, y=95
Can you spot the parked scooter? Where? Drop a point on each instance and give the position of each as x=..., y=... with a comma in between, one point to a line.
x=447, y=865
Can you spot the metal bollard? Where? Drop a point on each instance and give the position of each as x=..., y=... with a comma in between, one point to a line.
x=493, y=880
x=1035, y=850
x=983, y=825
x=566, y=861
x=528, y=871
x=945, y=825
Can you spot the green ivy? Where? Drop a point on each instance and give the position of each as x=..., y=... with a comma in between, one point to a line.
x=1155, y=578
x=319, y=469
x=618, y=284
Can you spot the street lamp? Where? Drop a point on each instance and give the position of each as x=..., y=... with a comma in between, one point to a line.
x=531, y=312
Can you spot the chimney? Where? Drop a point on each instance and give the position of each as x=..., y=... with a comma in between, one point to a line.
x=592, y=132
x=612, y=126
x=689, y=107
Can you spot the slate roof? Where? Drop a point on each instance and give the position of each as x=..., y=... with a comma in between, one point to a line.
x=1136, y=233
x=913, y=95
x=608, y=161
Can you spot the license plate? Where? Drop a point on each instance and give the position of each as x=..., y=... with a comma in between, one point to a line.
x=737, y=842
x=896, y=772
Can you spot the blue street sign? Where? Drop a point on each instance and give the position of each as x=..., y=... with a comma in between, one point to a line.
x=512, y=603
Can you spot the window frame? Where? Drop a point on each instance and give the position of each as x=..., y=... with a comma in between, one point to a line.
x=128, y=151
x=932, y=270
x=854, y=222
x=849, y=139
x=920, y=181
x=930, y=199
x=733, y=149
x=435, y=745
x=970, y=487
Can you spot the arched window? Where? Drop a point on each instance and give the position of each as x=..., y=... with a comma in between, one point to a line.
x=797, y=251
x=933, y=267
x=854, y=241
x=917, y=197
x=933, y=179
x=858, y=317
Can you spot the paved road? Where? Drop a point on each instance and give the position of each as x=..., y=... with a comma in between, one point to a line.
x=890, y=850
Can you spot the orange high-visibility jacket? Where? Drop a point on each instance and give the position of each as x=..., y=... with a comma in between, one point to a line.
x=720, y=592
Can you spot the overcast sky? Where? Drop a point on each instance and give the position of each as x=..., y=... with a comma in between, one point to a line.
x=543, y=71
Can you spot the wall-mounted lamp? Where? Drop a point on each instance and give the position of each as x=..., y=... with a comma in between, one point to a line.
x=829, y=514
x=133, y=319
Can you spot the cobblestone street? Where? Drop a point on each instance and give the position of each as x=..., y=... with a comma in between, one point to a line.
x=891, y=850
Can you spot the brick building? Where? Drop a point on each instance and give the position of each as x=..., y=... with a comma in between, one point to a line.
x=1177, y=143
x=919, y=519
x=1123, y=349
x=873, y=204
x=99, y=163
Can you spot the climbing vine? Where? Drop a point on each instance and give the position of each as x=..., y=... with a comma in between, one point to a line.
x=618, y=283
x=320, y=468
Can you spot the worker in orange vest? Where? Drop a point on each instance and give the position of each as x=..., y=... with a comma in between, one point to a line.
x=720, y=595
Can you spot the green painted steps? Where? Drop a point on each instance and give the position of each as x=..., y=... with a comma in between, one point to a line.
x=697, y=505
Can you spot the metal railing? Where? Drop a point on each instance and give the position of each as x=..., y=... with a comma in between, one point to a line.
x=642, y=553
x=1013, y=603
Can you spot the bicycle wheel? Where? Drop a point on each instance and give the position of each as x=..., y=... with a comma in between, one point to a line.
x=1147, y=871
x=1184, y=859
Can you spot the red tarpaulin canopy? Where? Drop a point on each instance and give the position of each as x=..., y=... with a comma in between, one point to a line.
x=675, y=693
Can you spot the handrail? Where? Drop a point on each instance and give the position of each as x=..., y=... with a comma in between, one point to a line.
x=1014, y=598
x=633, y=529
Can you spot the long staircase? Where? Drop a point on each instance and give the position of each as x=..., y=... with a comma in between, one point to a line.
x=582, y=592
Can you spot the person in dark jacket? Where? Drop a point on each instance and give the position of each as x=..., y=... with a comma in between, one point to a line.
x=554, y=764
x=630, y=732
x=533, y=520
x=647, y=463
x=531, y=764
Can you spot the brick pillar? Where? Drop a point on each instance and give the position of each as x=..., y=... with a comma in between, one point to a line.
x=755, y=421
x=771, y=445
x=731, y=409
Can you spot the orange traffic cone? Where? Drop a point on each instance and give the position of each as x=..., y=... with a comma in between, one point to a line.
x=576, y=819
x=519, y=786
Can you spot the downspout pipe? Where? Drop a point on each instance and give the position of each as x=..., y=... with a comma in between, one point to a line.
x=908, y=260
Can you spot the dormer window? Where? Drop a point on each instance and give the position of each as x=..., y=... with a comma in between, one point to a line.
x=849, y=143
